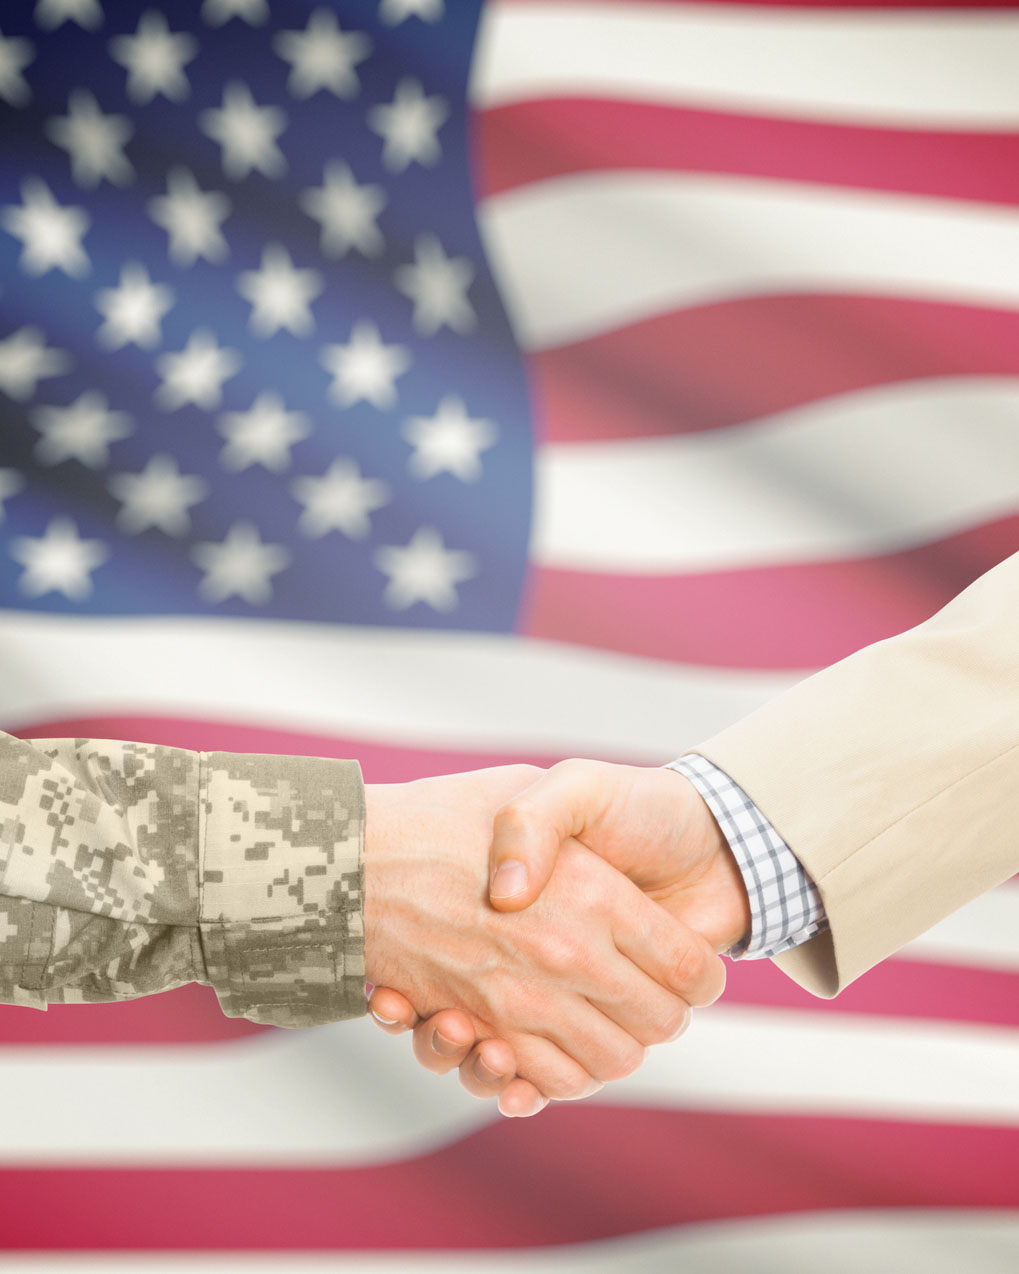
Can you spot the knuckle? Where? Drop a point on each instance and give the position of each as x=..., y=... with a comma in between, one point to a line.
x=671, y=1025
x=560, y=953
x=572, y=767
x=687, y=966
x=515, y=817
x=523, y=775
x=625, y=1060
x=717, y=983
x=572, y=1087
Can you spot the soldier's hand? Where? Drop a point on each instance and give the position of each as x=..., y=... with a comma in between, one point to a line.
x=446, y=1041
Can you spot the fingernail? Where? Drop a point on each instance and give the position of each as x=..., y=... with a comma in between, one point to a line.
x=681, y=1028
x=509, y=880
x=485, y=1073
x=443, y=1046
x=386, y=1021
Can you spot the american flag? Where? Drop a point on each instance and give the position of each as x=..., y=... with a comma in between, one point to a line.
x=441, y=385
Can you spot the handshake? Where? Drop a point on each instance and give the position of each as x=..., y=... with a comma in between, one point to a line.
x=626, y=891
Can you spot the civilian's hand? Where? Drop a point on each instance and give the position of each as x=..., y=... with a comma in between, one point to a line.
x=577, y=987
x=649, y=823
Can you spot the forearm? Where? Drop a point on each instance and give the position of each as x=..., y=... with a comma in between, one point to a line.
x=894, y=776
x=129, y=868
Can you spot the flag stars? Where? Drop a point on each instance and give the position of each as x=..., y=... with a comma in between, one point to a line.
x=25, y=360
x=280, y=295
x=133, y=310
x=340, y=500
x=437, y=284
x=448, y=442
x=160, y=496
x=15, y=55
x=261, y=435
x=11, y=482
x=59, y=561
x=50, y=14
x=51, y=233
x=346, y=211
x=323, y=56
x=94, y=141
x=154, y=58
x=424, y=571
x=82, y=431
x=246, y=133
x=365, y=368
x=195, y=374
x=192, y=218
x=240, y=566
x=393, y=12
x=215, y=13
x=408, y=126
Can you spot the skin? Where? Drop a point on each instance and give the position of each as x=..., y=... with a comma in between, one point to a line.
x=570, y=993
x=649, y=825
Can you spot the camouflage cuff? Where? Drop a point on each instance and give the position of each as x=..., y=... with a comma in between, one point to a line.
x=281, y=885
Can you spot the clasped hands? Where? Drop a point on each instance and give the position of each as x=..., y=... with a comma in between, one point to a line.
x=625, y=891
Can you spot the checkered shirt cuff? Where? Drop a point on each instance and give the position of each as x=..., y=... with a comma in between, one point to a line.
x=785, y=907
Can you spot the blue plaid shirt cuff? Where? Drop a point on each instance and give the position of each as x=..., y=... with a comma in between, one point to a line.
x=785, y=907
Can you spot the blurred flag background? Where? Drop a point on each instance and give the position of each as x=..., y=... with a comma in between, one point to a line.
x=441, y=385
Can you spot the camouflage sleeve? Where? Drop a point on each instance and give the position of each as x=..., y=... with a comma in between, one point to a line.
x=127, y=869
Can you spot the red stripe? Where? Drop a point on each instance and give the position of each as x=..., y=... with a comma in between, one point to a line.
x=736, y=361
x=792, y=617
x=538, y=139
x=571, y=1175
x=380, y=763
x=189, y=1015
x=896, y=988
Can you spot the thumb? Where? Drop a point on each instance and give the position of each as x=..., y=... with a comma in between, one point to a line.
x=530, y=830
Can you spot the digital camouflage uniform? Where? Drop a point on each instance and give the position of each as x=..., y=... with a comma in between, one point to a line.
x=127, y=868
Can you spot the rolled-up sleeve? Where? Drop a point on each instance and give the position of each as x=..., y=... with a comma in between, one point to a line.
x=129, y=868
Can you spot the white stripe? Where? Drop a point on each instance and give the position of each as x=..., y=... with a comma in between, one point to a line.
x=469, y=691
x=833, y=1064
x=880, y=1241
x=347, y=1094
x=869, y=472
x=579, y=255
x=935, y=70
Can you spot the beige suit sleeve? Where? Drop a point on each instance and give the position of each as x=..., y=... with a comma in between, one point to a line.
x=127, y=868
x=894, y=777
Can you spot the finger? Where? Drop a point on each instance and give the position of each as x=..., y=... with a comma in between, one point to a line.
x=639, y=1006
x=442, y=1041
x=488, y=1068
x=529, y=830
x=519, y=1099
x=393, y=1012
x=669, y=952
x=576, y=1052
x=551, y=1071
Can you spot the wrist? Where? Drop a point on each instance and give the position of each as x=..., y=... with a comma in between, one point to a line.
x=377, y=836
x=731, y=923
x=716, y=901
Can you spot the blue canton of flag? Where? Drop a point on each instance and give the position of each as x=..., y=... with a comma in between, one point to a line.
x=251, y=356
